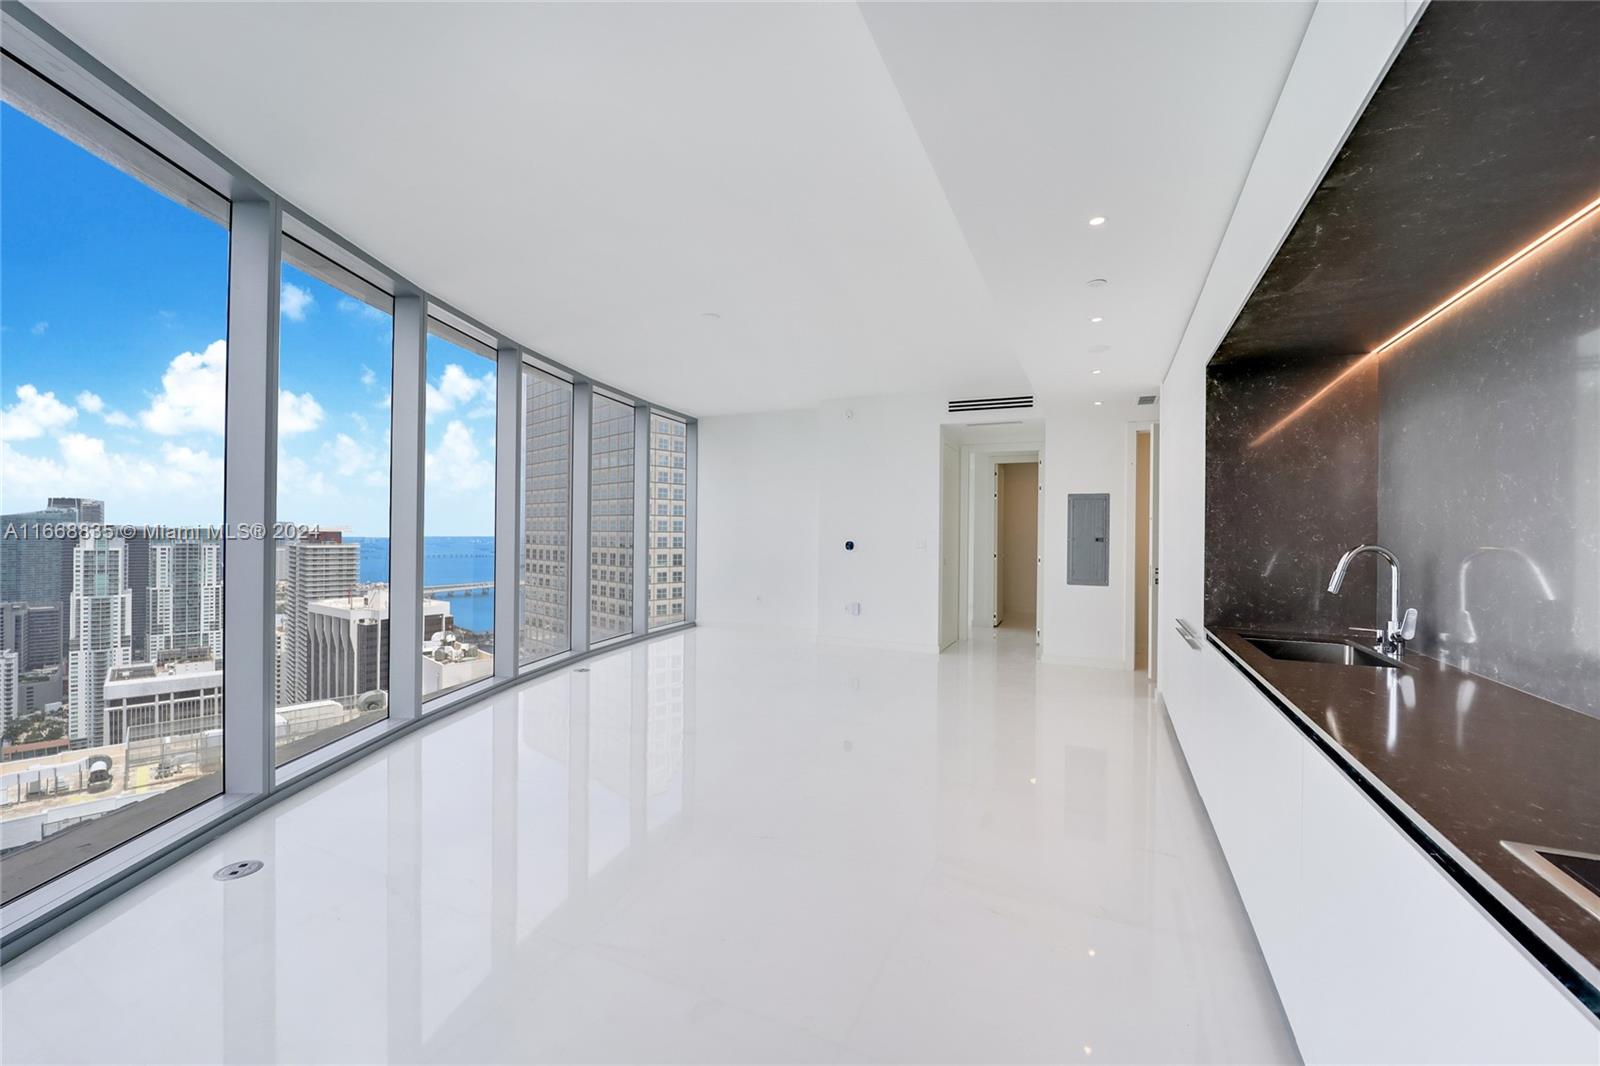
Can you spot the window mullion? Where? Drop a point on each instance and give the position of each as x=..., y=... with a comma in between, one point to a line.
x=250, y=484
x=641, y=520
x=407, y=434
x=507, y=538
x=582, y=448
x=690, y=518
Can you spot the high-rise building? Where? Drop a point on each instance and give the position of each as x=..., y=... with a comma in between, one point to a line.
x=83, y=510
x=321, y=567
x=184, y=598
x=33, y=631
x=100, y=634
x=145, y=700
x=669, y=461
x=545, y=581
x=611, y=520
x=10, y=687
x=348, y=642
x=138, y=564
x=36, y=556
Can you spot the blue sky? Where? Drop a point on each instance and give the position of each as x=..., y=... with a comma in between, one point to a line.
x=113, y=306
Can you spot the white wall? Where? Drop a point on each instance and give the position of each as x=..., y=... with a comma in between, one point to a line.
x=780, y=493
x=1087, y=449
x=758, y=514
x=879, y=479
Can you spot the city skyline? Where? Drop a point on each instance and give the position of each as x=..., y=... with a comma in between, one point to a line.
x=113, y=333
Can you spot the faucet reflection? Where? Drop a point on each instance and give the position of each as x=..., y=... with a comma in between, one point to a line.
x=1466, y=630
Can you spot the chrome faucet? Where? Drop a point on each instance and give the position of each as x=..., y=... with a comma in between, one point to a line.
x=1400, y=629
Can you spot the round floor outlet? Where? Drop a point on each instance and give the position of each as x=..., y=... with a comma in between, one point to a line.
x=235, y=870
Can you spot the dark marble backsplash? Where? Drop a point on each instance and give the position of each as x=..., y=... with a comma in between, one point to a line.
x=1489, y=475
x=1280, y=511
x=1471, y=450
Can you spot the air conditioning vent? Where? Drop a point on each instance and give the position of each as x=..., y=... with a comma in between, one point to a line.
x=998, y=403
x=1146, y=401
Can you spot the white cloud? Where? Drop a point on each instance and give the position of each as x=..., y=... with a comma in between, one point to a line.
x=191, y=468
x=458, y=467
x=181, y=485
x=92, y=403
x=349, y=457
x=34, y=414
x=457, y=390
x=297, y=478
x=297, y=414
x=294, y=302
x=39, y=328
x=369, y=377
x=193, y=394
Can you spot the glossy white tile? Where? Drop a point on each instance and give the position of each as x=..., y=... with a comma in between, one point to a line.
x=717, y=846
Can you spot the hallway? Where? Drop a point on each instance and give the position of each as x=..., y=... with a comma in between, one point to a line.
x=776, y=850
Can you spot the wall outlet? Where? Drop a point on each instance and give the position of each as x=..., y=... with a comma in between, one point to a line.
x=852, y=608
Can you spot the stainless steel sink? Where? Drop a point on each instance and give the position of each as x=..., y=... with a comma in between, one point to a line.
x=1335, y=652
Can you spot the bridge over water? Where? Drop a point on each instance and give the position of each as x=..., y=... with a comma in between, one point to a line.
x=463, y=588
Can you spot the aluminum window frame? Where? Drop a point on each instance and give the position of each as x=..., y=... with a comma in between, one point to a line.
x=309, y=249
x=528, y=361
x=87, y=102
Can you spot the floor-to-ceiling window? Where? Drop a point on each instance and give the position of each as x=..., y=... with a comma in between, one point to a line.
x=611, y=508
x=331, y=617
x=669, y=486
x=458, y=638
x=544, y=563
x=115, y=296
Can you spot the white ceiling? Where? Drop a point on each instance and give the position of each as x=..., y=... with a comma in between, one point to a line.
x=874, y=199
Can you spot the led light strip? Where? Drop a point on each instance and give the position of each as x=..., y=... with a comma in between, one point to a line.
x=1438, y=309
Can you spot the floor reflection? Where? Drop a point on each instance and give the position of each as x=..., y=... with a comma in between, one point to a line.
x=714, y=846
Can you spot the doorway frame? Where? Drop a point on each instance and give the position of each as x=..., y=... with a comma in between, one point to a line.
x=1130, y=545
x=978, y=506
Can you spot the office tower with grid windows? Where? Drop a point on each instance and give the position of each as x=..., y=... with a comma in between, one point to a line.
x=321, y=567
x=36, y=556
x=611, y=520
x=669, y=457
x=544, y=583
x=183, y=598
x=100, y=633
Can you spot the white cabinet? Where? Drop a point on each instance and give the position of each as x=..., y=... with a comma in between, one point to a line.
x=1377, y=954
x=1180, y=547
x=1409, y=968
x=1256, y=781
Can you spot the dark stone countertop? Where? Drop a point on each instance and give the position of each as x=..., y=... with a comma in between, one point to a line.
x=1473, y=763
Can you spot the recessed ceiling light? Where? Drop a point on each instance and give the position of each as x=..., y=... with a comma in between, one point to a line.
x=1098, y=318
x=1094, y=371
x=1097, y=403
x=1096, y=283
x=1096, y=349
x=709, y=314
x=1098, y=220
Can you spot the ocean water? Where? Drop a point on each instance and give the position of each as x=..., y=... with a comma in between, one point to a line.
x=445, y=561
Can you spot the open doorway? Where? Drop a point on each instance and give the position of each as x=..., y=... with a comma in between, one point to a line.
x=1017, y=545
x=1144, y=577
x=970, y=586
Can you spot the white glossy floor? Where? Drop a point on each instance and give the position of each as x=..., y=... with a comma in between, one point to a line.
x=718, y=846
